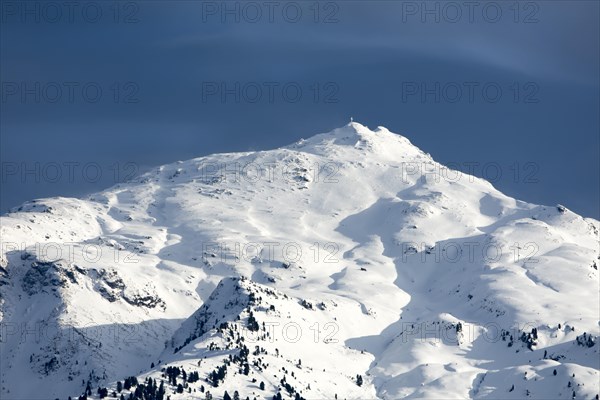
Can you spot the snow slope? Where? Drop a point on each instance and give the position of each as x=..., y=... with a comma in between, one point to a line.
x=349, y=253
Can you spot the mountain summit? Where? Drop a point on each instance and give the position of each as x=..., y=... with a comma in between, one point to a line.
x=348, y=265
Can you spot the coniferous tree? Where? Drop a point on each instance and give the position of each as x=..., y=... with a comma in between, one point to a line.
x=252, y=323
x=226, y=396
x=161, y=390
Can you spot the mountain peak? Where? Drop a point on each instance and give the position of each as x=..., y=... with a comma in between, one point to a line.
x=357, y=126
x=355, y=245
x=380, y=143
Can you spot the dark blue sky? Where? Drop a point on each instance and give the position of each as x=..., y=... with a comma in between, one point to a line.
x=117, y=87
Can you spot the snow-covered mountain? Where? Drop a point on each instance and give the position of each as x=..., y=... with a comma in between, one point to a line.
x=347, y=265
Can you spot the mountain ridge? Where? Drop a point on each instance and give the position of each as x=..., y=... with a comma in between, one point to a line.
x=354, y=228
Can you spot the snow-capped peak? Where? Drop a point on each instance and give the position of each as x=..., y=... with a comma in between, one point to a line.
x=379, y=143
x=345, y=264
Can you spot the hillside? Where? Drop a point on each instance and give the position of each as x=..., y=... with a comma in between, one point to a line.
x=351, y=253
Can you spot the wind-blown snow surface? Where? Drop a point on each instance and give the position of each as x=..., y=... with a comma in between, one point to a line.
x=350, y=253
